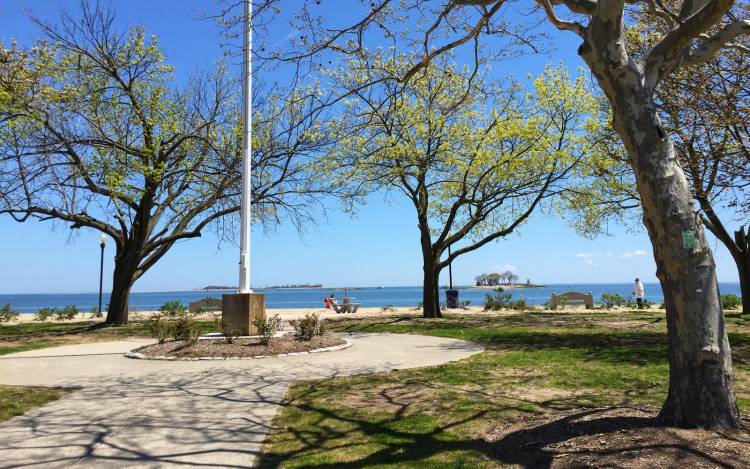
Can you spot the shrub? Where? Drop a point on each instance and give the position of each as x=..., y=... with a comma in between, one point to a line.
x=68, y=312
x=159, y=328
x=519, y=305
x=464, y=304
x=388, y=308
x=185, y=327
x=730, y=301
x=267, y=327
x=44, y=313
x=610, y=300
x=307, y=327
x=173, y=308
x=499, y=301
x=7, y=313
x=95, y=313
x=227, y=330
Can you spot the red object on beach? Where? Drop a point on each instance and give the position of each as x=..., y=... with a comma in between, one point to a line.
x=326, y=302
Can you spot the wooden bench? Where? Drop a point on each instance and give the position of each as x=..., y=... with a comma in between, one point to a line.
x=571, y=297
x=205, y=305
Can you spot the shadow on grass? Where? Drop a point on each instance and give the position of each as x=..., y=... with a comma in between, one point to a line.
x=338, y=438
x=635, y=347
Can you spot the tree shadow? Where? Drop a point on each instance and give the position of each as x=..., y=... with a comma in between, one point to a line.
x=528, y=445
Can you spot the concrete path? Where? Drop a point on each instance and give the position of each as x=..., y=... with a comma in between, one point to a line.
x=143, y=413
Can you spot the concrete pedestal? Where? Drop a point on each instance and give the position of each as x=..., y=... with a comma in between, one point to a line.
x=241, y=309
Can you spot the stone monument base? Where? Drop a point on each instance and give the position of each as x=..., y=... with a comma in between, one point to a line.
x=241, y=309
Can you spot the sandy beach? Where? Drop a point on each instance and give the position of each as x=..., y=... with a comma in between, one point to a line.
x=292, y=313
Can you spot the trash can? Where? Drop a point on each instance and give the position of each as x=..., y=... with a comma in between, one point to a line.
x=451, y=299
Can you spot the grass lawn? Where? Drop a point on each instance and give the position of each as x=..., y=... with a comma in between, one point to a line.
x=547, y=381
x=17, y=400
x=35, y=335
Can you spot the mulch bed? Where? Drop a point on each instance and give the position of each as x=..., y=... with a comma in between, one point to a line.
x=615, y=437
x=218, y=348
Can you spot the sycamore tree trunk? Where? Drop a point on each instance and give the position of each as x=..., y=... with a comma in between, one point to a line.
x=126, y=265
x=701, y=389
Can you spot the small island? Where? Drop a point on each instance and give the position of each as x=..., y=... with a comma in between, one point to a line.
x=295, y=285
x=505, y=280
x=218, y=287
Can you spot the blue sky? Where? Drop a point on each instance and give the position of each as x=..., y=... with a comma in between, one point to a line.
x=380, y=246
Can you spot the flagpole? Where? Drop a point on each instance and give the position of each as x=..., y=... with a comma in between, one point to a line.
x=247, y=119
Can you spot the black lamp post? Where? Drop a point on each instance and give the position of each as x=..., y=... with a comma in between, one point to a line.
x=102, y=243
x=450, y=269
x=451, y=295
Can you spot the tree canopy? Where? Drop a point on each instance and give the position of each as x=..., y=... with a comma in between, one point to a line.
x=474, y=157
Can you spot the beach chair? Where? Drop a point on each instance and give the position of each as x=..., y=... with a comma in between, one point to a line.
x=338, y=309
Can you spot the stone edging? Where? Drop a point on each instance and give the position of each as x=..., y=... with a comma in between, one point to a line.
x=139, y=356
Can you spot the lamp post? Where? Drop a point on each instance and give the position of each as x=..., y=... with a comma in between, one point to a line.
x=450, y=269
x=102, y=243
x=451, y=295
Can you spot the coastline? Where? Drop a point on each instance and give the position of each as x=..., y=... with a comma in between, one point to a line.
x=504, y=287
x=293, y=313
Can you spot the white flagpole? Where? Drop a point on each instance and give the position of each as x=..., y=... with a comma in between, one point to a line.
x=245, y=207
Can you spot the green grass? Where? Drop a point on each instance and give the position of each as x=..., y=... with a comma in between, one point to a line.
x=441, y=416
x=17, y=400
x=36, y=335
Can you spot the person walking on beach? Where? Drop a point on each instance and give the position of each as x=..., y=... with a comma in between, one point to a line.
x=638, y=292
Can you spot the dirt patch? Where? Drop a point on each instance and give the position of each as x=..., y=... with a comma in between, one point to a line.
x=218, y=348
x=389, y=398
x=624, y=324
x=614, y=437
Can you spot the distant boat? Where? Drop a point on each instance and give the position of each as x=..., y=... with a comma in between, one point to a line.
x=378, y=288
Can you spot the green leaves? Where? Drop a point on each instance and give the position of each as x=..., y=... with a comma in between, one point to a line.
x=466, y=150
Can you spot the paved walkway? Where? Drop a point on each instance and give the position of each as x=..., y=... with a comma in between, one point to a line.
x=143, y=413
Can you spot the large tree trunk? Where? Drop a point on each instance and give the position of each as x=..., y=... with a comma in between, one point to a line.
x=743, y=267
x=701, y=389
x=430, y=295
x=122, y=281
x=701, y=383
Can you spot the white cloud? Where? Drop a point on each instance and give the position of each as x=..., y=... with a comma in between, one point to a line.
x=589, y=255
x=591, y=263
x=636, y=253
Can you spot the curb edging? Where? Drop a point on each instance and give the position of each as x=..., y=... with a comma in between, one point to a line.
x=139, y=356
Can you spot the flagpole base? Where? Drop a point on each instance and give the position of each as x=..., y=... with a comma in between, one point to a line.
x=241, y=309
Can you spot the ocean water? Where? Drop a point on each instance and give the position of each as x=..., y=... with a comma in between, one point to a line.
x=313, y=297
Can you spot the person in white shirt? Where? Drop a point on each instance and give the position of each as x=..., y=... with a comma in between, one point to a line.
x=638, y=292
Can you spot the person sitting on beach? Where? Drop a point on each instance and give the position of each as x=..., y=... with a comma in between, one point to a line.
x=330, y=302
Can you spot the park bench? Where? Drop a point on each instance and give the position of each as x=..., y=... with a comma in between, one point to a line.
x=206, y=304
x=571, y=297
